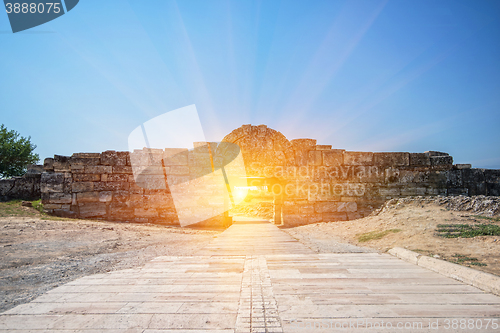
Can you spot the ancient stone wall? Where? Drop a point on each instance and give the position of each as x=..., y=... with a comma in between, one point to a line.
x=310, y=182
x=26, y=187
x=318, y=183
x=134, y=187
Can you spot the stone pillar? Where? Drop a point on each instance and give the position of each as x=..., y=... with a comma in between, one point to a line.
x=278, y=205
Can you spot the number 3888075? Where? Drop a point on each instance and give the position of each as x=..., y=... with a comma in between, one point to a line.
x=33, y=8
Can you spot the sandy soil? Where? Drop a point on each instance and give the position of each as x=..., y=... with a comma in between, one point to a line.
x=417, y=224
x=38, y=255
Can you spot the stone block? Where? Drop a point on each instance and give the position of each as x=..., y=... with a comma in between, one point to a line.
x=122, y=169
x=121, y=211
x=354, y=216
x=333, y=158
x=290, y=208
x=391, y=159
x=392, y=175
x=86, y=177
x=83, y=197
x=61, y=158
x=92, y=209
x=48, y=164
x=86, y=155
x=493, y=189
x=52, y=206
x=358, y=158
x=390, y=191
x=176, y=180
x=74, y=161
x=121, y=196
x=412, y=191
x=303, y=144
x=458, y=191
x=462, y=166
x=306, y=209
x=314, y=218
x=115, y=158
x=111, y=186
x=347, y=206
x=315, y=157
x=45, y=197
x=492, y=176
x=332, y=217
x=51, y=182
x=432, y=153
x=152, y=182
x=182, y=170
x=145, y=213
x=454, y=178
x=136, y=189
x=120, y=177
x=196, y=172
x=419, y=159
x=169, y=215
x=199, y=160
x=159, y=200
x=6, y=185
x=100, y=169
x=292, y=220
x=68, y=180
x=77, y=168
x=60, y=198
x=301, y=157
x=82, y=187
x=323, y=147
x=412, y=176
x=61, y=166
x=150, y=170
x=201, y=147
x=475, y=181
x=146, y=157
x=105, y=196
x=326, y=206
x=441, y=161
x=348, y=199
x=439, y=179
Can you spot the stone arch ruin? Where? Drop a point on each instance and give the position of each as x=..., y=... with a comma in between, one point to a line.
x=312, y=182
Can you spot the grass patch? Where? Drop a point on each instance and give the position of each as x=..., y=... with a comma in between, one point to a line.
x=467, y=230
x=38, y=206
x=496, y=219
x=14, y=208
x=372, y=235
x=467, y=261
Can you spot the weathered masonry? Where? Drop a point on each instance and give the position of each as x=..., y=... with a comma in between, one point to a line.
x=310, y=182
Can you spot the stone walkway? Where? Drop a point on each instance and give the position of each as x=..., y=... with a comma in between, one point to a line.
x=256, y=278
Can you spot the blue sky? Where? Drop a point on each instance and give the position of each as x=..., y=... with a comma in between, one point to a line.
x=360, y=75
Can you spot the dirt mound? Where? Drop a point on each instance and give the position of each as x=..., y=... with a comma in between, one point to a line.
x=478, y=205
x=418, y=224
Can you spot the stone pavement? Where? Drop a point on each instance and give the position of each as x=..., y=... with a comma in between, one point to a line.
x=256, y=278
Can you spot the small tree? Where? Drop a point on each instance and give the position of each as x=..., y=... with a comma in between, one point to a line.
x=16, y=153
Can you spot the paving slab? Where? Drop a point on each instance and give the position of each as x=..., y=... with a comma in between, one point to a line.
x=255, y=278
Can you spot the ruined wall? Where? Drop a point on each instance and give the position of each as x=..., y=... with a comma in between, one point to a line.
x=26, y=187
x=312, y=182
x=123, y=186
x=318, y=183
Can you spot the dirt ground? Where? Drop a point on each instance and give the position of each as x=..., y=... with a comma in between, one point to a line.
x=39, y=254
x=411, y=226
